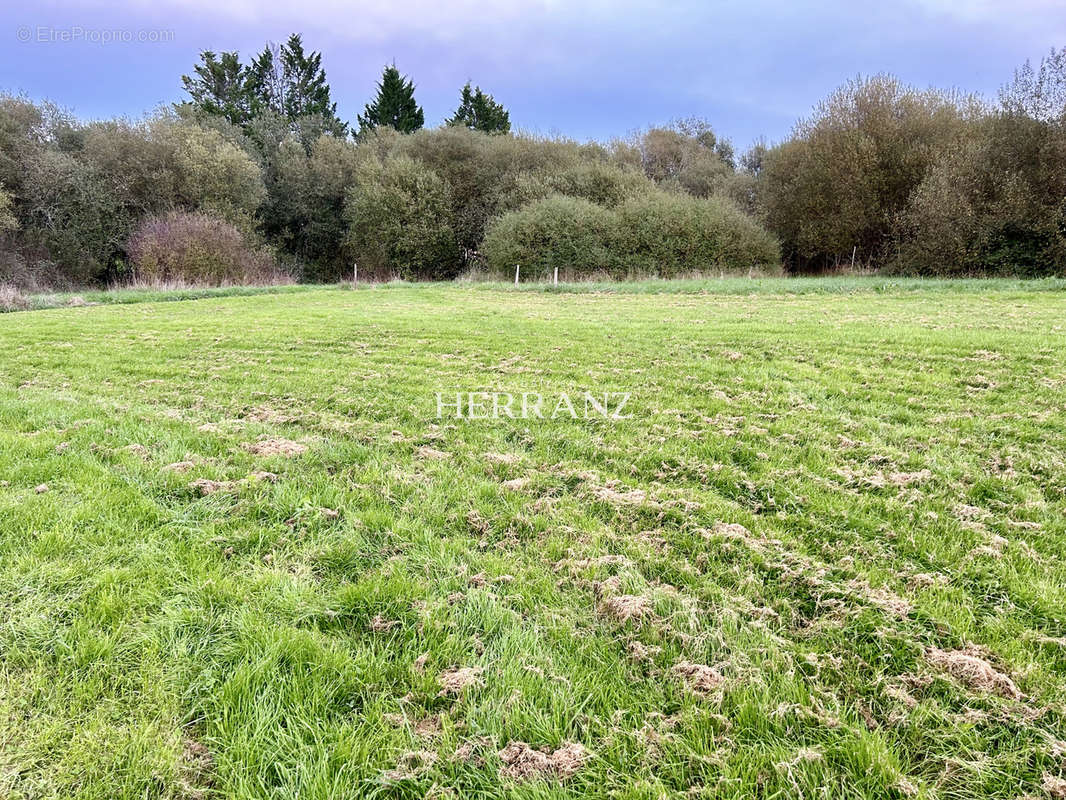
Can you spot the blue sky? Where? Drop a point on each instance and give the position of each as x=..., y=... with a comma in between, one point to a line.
x=584, y=69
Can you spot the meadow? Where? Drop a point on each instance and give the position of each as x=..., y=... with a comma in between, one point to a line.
x=241, y=555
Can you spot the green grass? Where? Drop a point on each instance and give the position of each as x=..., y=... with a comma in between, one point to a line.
x=892, y=450
x=723, y=285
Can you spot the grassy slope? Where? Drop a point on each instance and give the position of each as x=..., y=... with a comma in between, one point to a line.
x=156, y=643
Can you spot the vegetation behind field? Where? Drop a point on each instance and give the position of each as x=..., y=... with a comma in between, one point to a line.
x=253, y=179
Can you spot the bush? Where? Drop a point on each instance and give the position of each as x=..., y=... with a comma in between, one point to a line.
x=304, y=213
x=398, y=215
x=841, y=182
x=686, y=156
x=565, y=232
x=8, y=221
x=994, y=203
x=210, y=173
x=659, y=233
x=668, y=235
x=198, y=249
x=71, y=217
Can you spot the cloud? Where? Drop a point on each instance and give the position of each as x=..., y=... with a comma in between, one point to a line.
x=583, y=67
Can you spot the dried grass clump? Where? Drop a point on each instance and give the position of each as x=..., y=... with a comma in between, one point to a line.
x=700, y=678
x=276, y=447
x=626, y=607
x=970, y=668
x=455, y=681
x=11, y=299
x=522, y=762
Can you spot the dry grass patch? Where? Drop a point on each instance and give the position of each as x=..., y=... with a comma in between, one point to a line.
x=625, y=607
x=206, y=486
x=521, y=762
x=699, y=678
x=969, y=667
x=275, y=447
x=456, y=680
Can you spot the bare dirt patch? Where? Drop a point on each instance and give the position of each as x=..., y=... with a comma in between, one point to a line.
x=432, y=454
x=379, y=624
x=137, y=450
x=502, y=458
x=633, y=497
x=1053, y=785
x=411, y=765
x=195, y=771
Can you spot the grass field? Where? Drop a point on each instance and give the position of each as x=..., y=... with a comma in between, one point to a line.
x=241, y=555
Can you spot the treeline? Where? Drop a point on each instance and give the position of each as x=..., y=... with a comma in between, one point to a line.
x=924, y=182
x=255, y=177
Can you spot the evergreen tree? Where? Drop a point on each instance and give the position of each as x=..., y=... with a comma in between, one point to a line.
x=394, y=105
x=286, y=82
x=306, y=90
x=479, y=112
x=264, y=84
x=217, y=87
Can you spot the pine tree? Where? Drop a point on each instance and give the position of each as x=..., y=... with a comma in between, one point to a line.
x=218, y=87
x=478, y=111
x=284, y=81
x=306, y=90
x=394, y=105
x=264, y=84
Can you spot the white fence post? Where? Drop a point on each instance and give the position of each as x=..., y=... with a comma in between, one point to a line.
x=555, y=280
x=355, y=274
x=515, y=274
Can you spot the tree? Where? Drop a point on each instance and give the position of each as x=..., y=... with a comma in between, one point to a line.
x=394, y=105
x=1040, y=93
x=479, y=112
x=398, y=215
x=218, y=87
x=840, y=184
x=285, y=81
x=8, y=222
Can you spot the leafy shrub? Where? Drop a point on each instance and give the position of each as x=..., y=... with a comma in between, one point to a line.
x=668, y=234
x=841, y=182
x=398, y=215
x=565, y=232
x=685, y=156
x=71, y=216
x=304, y=213
x=8, y=221
x=195, y=248
x=994, y=202
x=210, y=173
x=658, y=233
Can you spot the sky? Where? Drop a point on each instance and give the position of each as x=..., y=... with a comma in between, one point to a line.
x=585, y=69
